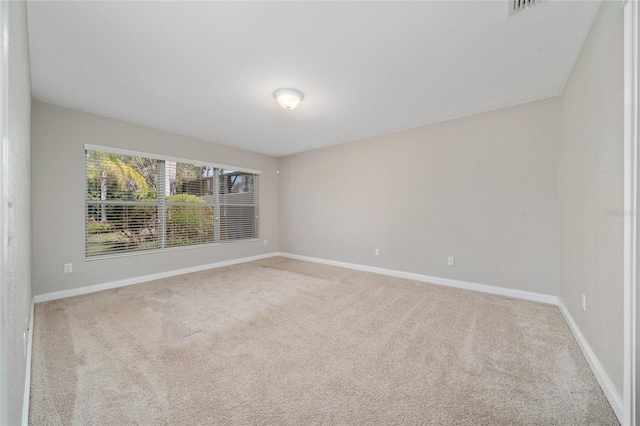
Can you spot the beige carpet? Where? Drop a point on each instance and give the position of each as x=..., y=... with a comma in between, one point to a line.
x=280, y=341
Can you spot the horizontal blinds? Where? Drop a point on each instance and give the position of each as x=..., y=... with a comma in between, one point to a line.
x=130, y=227
x=121, y=203
x=239, y=209
x=189, y=204
x=136, y=203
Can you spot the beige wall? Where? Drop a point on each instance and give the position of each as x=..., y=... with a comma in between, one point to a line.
x=590, y=185
x=59, y=135
x=16, y=278
x=481, y=188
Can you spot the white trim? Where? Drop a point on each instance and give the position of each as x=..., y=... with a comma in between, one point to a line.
x=144, y=278
x=501, y=291
x=631, y=187
x=168, y=249
x=112, y=150
x=603, y=379
x=27, y=376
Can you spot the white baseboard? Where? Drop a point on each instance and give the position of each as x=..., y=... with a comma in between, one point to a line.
x=603, y=379
x=501, y=291
x=144, y=278
x=27, y=376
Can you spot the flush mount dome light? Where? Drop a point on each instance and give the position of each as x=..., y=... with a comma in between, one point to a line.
x=288, y=98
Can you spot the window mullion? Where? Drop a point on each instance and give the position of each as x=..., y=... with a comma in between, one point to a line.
x=216, y=205
x=162, y=209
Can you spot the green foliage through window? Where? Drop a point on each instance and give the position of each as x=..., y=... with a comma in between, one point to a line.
x=136, y=203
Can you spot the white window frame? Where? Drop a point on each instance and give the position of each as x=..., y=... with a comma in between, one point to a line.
x=217, y=204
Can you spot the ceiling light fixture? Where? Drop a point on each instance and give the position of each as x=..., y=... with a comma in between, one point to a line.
x=288, y=98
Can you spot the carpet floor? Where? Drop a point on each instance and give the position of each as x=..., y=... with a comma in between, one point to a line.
x=281, y=341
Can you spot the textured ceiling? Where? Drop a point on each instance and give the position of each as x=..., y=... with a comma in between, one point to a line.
x=209, y=69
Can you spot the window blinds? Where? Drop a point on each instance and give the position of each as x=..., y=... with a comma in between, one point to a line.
x=136, y=203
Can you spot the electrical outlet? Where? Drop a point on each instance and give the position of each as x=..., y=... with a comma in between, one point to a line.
x=378, y=252
x=584, y=302
x=68, y=267
x=450, y=260
x=266, y=242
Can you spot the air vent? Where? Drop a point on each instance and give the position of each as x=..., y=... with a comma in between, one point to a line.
x=516, y=6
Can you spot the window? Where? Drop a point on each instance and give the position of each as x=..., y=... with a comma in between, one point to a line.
x=136, y=202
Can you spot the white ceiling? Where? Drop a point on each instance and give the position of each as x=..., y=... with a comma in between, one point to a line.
x=209, y=69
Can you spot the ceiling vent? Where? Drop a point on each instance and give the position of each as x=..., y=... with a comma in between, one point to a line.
x=516, y=6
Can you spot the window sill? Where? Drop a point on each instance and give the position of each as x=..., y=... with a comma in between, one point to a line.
x=170, y=249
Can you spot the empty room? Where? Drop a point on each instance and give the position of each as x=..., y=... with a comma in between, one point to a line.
x=318, y=212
